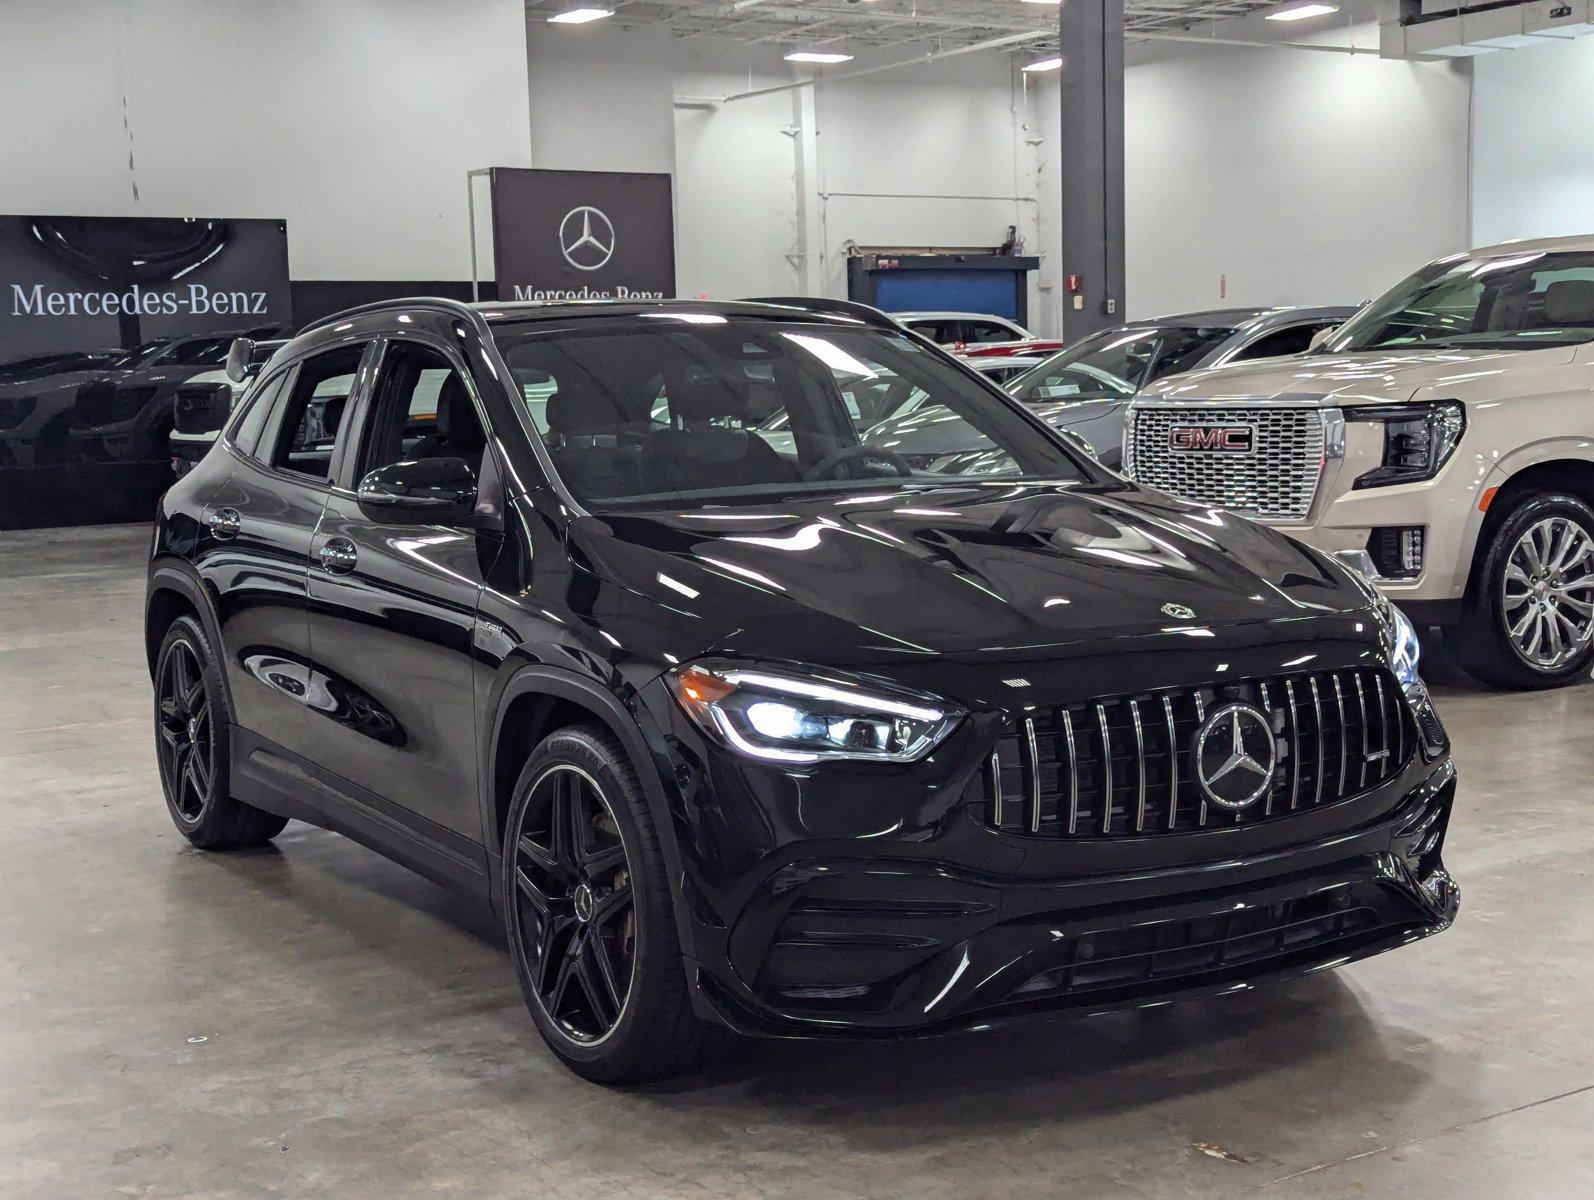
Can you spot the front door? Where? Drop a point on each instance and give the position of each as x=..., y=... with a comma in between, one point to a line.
x=393, y=610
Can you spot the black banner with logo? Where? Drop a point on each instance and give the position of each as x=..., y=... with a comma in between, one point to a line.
x=101, y=320
x=582, y=235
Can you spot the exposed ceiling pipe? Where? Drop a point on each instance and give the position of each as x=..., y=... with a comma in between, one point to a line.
x=1011, y=39
x=1197, y=39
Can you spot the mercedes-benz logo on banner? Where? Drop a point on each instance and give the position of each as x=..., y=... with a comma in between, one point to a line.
x=1235, y=755
x=586, y=238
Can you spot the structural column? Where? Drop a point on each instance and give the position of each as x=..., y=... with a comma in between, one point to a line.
x=1092, y=225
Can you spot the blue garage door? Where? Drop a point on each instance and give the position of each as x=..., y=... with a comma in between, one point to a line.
x=950, y=291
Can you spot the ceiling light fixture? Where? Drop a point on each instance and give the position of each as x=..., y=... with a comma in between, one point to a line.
x=1054, y=3
x=1044, y=64
x=1302, y=11
x=579, y=16
x=818, y=56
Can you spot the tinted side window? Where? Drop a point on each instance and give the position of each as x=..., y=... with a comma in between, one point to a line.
x=313, y=417
x=987, y=331
x=1293, y=339
x=423, y=410
x=246, y=435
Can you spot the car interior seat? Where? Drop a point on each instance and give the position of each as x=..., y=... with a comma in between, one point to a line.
x=695, y=452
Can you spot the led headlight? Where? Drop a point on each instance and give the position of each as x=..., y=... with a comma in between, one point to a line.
x=1405, y=649
x=786, y=715
x=1418, y=440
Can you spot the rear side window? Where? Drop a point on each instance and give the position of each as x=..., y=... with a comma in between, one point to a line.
x=1293, y=339
x=313, y=417
x=987, y=331
x=264, y=398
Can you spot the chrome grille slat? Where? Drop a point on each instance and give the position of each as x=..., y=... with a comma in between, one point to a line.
x=1106, y=766
x=1033, y=799
x=1073, y=772
x=1277, y=479
x=1026, y=787
x=1173, y=764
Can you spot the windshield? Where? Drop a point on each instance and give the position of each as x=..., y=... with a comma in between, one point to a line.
x=695, y=408
x=1116, y=363
x=1518, y=301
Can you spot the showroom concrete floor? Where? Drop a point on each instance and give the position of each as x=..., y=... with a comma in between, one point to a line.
x=313, y=1021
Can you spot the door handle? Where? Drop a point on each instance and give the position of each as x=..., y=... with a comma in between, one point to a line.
x=225, y=523
x=338, y=556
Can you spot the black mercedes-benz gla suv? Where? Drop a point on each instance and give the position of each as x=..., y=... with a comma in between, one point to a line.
x=785, y=732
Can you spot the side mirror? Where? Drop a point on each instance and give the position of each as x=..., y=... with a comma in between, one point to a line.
x=429, y=491
x=238, y=356
x=1321, y=337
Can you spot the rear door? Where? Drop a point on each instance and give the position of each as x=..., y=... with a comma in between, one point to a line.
x=263, y=521
x=393, y=611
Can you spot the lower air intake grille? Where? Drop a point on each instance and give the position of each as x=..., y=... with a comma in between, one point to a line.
x=1125, y=766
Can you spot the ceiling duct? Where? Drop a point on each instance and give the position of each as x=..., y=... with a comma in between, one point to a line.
x=1446, y=29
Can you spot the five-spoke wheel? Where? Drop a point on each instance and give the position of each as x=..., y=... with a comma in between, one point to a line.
x=576, y=917
x=184, y=730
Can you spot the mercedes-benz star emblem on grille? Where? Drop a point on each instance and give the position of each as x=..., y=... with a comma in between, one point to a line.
x=586, y=238
x=1231, y=439
x=1179, y=612
x=1235, y=756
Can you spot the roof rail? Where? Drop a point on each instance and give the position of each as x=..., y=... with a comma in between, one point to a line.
x=458, y=307
x=835, y=308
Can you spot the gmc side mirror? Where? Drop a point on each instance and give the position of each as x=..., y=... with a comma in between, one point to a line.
x=238, y=356
x=429, y=491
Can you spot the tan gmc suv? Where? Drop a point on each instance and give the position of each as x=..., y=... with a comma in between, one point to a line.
x=1442, y=440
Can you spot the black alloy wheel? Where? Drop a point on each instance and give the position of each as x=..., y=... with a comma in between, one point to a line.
x=185, y=741
x=575, y=916
x=193, y=731
x=589, y=914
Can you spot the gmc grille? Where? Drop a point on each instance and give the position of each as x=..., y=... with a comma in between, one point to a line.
x=1275, y=479
x=1125, y=766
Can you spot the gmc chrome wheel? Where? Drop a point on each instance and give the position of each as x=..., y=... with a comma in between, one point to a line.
x=574, y=916
x=185, y=735
x=1547, y=593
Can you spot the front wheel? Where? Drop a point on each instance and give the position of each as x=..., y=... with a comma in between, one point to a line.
x=589, y=916
x=1528, y=621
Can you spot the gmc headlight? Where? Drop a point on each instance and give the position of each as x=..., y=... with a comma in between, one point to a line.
x=791, y=716
x=1418, y=439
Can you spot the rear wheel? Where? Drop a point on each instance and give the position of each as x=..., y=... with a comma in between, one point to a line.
x=192, y=730
x=1528, y=621
x=589, y=916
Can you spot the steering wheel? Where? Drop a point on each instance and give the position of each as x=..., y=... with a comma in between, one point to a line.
x=847, y=453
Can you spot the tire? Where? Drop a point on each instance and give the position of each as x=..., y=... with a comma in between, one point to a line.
x=193, y=730
x=1503, y=596
x=639, y=1025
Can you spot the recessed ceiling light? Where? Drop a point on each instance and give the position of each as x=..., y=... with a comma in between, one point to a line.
x=1044, y=64
x=818, y=56
x=579, y=16
x=1302, y=11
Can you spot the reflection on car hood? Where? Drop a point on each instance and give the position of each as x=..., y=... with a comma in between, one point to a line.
x=1010, y=568
x=1372, y=377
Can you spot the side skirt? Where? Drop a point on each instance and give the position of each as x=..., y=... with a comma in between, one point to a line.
x=275, y=779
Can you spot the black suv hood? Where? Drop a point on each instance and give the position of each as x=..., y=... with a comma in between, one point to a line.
x=975, y=573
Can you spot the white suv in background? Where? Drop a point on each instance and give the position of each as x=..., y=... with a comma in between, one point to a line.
x=963, y=328
x=1442, y=440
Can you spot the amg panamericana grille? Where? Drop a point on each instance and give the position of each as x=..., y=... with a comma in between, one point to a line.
x=1276, y=479
x=1125, y=766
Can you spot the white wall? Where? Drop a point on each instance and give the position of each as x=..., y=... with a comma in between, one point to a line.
x=355, y=120
x=1533, y=142
x=600, y=99
x=1303, y=176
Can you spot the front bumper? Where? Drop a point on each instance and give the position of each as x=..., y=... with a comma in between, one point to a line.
x=949, y=924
